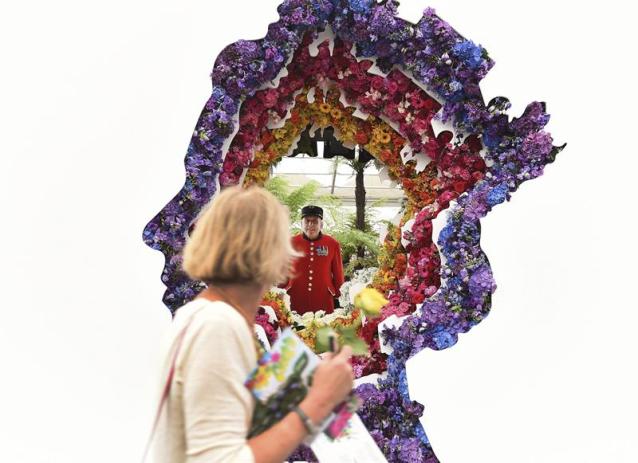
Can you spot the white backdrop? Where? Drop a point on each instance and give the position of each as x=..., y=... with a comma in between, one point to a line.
x=97, y=104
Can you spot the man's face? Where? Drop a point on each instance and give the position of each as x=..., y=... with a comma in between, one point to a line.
x=311, y=226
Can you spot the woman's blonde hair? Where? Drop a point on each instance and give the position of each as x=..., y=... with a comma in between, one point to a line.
x=241, y=236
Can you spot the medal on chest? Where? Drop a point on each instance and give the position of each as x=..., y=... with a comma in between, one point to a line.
x=322, y=250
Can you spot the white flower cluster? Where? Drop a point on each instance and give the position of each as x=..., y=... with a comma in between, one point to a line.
x=320, y=317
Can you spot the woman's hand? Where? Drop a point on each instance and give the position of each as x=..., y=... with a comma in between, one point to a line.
x=332, y=381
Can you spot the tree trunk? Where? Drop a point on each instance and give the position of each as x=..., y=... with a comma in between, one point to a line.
x=360, y=202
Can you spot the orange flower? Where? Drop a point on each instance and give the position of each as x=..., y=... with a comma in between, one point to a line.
x=266, y=138
x=385, y=155
x=407, y=184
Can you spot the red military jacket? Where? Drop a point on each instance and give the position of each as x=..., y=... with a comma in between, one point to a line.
x=318, y=274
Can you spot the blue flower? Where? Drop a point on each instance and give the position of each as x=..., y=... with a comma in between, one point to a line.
x=360, y=6
x=403, y=385
x=443, y=339
x=469, y=52
x=420, y=433
x=497, y=195
x=445, y=234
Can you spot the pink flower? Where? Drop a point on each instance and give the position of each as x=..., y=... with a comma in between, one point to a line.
x=402, y=81
x=420, y=125
x=250, y=118
x=430, y=290
x=339, y=424
x=244, y=158
x=228, y=178
x=377, y=82
x=446, y=197
x=392, y=111
x=416, y=101
x=269, y=97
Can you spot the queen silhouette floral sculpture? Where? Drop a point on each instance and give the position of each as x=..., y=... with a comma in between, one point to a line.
x=383, y=79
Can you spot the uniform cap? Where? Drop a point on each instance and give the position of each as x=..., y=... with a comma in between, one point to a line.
x=312, y=210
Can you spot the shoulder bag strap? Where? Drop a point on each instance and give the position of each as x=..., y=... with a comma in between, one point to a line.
x=167, y=386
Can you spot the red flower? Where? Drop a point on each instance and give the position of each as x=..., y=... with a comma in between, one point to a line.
x=478, y=164
x=365, y=65
x=361, y=138
x=459, y=186
x=269, y=97
x=445, y=137
x=473, y=143
x=446, y=197
x=377, y=82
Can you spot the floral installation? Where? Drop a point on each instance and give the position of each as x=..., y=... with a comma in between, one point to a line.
x=490, y=158
x=460, y=165
x=279, y=300
x=392, y=260
x=306, y=325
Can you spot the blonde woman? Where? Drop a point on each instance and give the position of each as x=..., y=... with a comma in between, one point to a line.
x=240, y=248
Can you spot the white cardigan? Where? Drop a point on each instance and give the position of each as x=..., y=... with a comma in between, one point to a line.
x=209, y=410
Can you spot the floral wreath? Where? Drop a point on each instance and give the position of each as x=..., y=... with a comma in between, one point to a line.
x=400, y=76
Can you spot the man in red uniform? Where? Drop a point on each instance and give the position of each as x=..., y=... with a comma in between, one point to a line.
x=319, y=272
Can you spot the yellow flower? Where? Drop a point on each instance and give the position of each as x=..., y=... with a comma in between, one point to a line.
x=384, y=137
x=336, y=113
x=370, y=301
x=279, y=133
x=324, y=108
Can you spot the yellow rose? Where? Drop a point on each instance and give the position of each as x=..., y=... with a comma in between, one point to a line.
x=370, y=301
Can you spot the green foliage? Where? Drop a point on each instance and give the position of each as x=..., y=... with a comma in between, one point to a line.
x=351, y=240
x=346, y=336
x=294, y=199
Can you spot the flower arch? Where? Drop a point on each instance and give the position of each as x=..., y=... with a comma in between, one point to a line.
x=491, y=157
